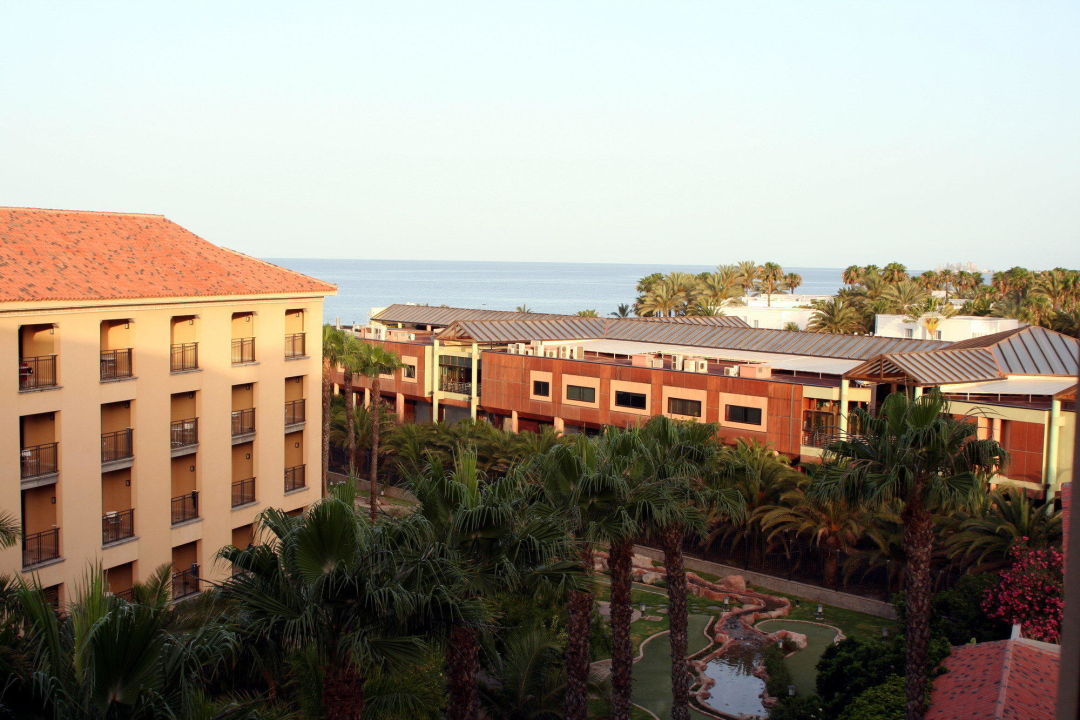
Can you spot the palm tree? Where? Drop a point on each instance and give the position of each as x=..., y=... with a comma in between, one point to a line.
x=717, y=288
x=507, y=540
x=852, y=275
x=584, y=483
x=771, y=278
x=343, y=599
x=929, y=313
x=1010, y=517
x=911, y=452
x=588, y=313
x=677, y=460
x=105, y=657
x=748, y=272
x=10, y=529
x=623, y=311
x=663, y=298
x=894, y=272
x=792, y=281
x=523, y=309
x=373, y=361
x=333, y=342
x=900, y=297
x=351, y=358
x=835, y=316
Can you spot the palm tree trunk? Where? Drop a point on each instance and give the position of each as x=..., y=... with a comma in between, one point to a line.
x=677, y=619
x=326, y=386
x=373, y=485
x=918, y=542
x=578, y=647
x=622, y=650
x=463, y=665
x=350, y=420
x=343, y=692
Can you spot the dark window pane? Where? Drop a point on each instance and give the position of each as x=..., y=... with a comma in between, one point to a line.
x=541, y=388
x=740, y=414
x=681, y=406
x=630, y=400
x=580, y=394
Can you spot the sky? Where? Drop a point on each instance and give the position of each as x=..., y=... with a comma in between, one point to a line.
x=814, y=134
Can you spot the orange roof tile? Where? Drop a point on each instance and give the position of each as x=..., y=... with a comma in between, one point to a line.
x=85, y=255
x=1003, y=680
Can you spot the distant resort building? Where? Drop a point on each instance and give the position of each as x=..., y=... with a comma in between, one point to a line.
x=792, y=390
x=952, y=329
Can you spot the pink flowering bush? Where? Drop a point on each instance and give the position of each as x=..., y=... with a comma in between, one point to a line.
x=1030, y=592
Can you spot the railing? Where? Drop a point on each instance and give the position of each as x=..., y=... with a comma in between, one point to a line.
x=38, y=460
x=818, y=438
x=243, y=492
x=185, y=507
x=464, y=388
x=185, y=582
x=294, y=345
x=128, y=595
x=117, y=526
x=183, y=433
x=41, y=547
x=115, y=364
x=243, y=350
x=37, y=372
x=243, y=421
x=295, y=412
x=116, y=445
x=184, y=357
x=295, y=478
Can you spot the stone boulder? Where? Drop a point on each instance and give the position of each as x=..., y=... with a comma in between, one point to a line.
x=651, y=578
x=734, y=583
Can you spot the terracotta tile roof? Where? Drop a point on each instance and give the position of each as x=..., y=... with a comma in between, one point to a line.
x=82, y=255
x=1003, y=680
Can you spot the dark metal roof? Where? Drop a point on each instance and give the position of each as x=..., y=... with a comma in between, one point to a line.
x=934, y=367
x=851, y=347
x=442, y=316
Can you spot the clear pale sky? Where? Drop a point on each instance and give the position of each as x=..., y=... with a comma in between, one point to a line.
x=813, y=133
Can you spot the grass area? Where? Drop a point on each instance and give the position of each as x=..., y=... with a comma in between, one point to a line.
x=652, y=674
x=803, y=664
x=854, y=624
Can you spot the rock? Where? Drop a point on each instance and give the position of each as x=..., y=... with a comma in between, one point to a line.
x=734, y=583
x=643, y=561
x=651, y=578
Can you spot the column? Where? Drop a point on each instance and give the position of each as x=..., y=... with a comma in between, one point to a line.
x=513, y=421
x=1052, y=433
x=917, y=392
x=367, y=397
x=399, y=406
x=474, y=387
x=432, y=376
x=560, y=426
x=842, y=424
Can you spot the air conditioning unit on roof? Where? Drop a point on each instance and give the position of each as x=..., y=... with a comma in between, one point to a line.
x=656, y=363
x=551, y=352
x=696, y=365
x=732, y=371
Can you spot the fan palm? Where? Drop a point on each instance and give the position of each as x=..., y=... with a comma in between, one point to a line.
x=911, y=452
x=373, y=361
x=792, y=281
x=623, y=311
x=894, y=273
x=771, y=278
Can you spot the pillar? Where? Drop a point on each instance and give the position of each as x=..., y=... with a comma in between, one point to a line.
x=1052, y=437
x=367, y=397
x=560, y=426
x=842, y=424
x=513, y=421
x=917, y=392
x=432, y=376
x=399, y=406
x=474, y=386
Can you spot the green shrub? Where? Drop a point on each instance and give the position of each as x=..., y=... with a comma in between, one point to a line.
x=881, y=702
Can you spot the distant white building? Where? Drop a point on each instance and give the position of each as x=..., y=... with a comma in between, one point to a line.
x=958, y=327
x=771, y=318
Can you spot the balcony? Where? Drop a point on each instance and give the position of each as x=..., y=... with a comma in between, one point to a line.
x=41, y=547
x=117, y=450
x=462, y=388
x=116, y=365
x=243, y=492
x=38, y=464
x=37, y=373
x=117, y=526
x=243, y=350
x=295, y=478
x=295, y=413
x=243, y=425
x=185, y=582
x=185, y=507
x=184, y=436
x=294, y=345
x=818, y=438
x=184, y=357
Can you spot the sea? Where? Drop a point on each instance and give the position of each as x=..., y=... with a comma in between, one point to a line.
x=542, y=287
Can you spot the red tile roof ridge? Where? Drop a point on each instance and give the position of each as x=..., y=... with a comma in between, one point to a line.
x=81, y=212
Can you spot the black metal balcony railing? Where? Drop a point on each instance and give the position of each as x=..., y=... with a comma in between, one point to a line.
x=116, y=445
x=295, y=477
x=185, y=582
x=464, y=388
x=41, y=547
x=295, y=412
x=243, y=350
x=818, y=438
x=116, y=364
x=116, y=526
x=37, y=372
x=38, y=460
x=294, y=345
x=243, y=492
x=185, y=507
x=243, y=421
x=185, y=356
x=128, y=595
x=183, y=433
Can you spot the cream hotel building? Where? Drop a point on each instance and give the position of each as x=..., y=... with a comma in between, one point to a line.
x=159, y=393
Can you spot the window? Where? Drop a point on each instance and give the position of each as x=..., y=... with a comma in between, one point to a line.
x=681, y=406
x=630, y=399
x=740, y=414
x=543, y=388
x=409, y=371
x=580, y=394
x=909, y=333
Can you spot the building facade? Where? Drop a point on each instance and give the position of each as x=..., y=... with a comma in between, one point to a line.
x=792, y=390
x=161, y=392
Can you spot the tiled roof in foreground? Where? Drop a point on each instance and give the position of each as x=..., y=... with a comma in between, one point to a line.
x=85, y=255
x=1003, y=680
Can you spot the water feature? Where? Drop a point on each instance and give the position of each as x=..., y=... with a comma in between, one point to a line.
x=736, y=690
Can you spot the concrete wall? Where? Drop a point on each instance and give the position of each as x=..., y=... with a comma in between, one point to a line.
x=956, y=328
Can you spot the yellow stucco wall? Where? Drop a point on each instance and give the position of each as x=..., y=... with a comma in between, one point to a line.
x=73, y=415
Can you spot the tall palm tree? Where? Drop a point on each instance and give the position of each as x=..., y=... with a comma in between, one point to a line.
x=624, y=310
x=894, y=272
x=771, y=279
x=584, y=483
x=351, y=360
x=852, y=275
x=678, y=460
x=664, y=297
x=911, y=452
x=792, y=281
x=900, y=297
x=373, y=361
x=835, y=315
x=748, y=272
x=506, y=538
x=343, y=599
x=523, y=309
x=717, y=288
x=588, y=313
x=333, y=343
x=929, y=313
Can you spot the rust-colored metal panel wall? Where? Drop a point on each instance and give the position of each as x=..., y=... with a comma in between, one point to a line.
x=1024, y=441
x=414, y=387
